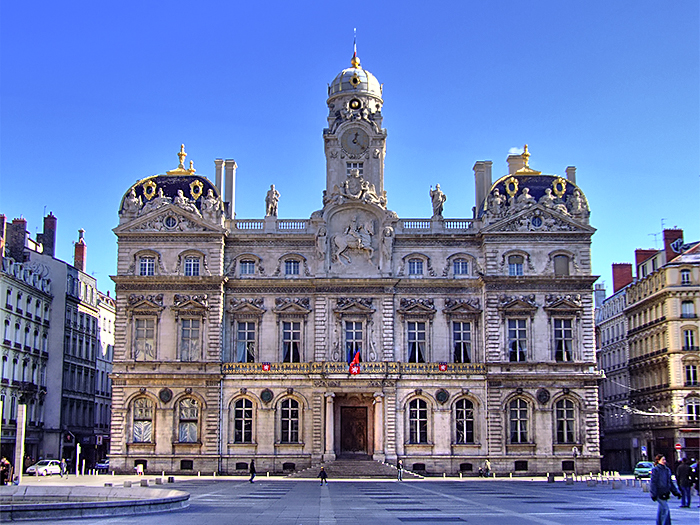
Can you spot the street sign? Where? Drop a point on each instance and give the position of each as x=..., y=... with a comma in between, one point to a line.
x=679, y=446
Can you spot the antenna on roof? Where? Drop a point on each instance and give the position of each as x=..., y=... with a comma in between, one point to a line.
x=656, y=239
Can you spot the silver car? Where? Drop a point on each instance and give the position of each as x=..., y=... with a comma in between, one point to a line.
x=45, y=467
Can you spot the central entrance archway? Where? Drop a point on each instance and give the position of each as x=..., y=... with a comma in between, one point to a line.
x=353, y=430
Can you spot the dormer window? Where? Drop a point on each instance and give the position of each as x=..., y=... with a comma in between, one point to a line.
x=460, y=267
x=247, y=267
x=192, y=266
x=515, y=265
x=561, y=265
x=291, y=267
x=147, y=265
x=415, y=267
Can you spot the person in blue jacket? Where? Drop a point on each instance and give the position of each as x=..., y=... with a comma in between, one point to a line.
x=661, y=488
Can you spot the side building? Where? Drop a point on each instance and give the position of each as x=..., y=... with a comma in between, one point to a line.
x=68, y=346
x=658, y=412
x=442, y=342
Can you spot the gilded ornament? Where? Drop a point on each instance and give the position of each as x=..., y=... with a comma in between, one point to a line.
x=182, y=156
x=149, y=189
x=559, y=187
x=196, y=189
x=512, y=186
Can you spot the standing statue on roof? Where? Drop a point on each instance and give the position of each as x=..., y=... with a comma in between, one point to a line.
x=438, y=199
x=271, y=200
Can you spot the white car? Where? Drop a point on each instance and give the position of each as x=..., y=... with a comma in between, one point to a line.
x=45, y=467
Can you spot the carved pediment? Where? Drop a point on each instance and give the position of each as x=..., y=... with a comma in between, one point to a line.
x=191, y=303
x=250, y=307
x=517, y=303
x=417, y=307
x=168, y=219
x=563, y=303
x=468, y=306
x=354, y=306
x=145, y=304
x=292, y=305
x=538, y=219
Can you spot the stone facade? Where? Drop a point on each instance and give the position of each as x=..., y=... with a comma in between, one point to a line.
x=241, y=339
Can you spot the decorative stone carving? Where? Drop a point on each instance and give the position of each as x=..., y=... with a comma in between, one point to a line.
x=407, y=303
x=543, y=396
x=505, y=300
x=157, y=224
x=303, y=302
x=355, y=189
x=387, y=246
x=577, y=205
x=437, y=199
x=257, y=302
x=180, y=299
x=471, y=302
x=356, y=236
x=211, y=208
x=186, y=204
x=165, y=395
x=321, y=242
x=156, y=299
x=271, y=201
x=345, y=302
x=552, y=299
x=132, y=204
x=155, y=203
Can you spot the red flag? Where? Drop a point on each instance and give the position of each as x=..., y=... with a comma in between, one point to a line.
x=355, y=364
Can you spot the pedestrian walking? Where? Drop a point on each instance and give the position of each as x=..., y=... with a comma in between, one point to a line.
x=660, y=489
x=64, y=468
x=399, y=470
x=487, y=468
x=685, y=484
x=4, y=471
x=252, y=470
x=323, y=476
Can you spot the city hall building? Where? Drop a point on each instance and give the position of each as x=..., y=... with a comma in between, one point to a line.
x=355, y=332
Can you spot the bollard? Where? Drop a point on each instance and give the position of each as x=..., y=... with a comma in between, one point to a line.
x=112, y=473
x=511, y=475
x=444, y=475
x=199, y=473
x=162, y=473
x=460, y=474
x=159, y=481
x=267, y=473
x=171, y=479
x=127, y=484
x=108, y=484
x=144, y=483
x=550, y=478
x=617, y=484
x=214, y=473
x=645, y=487
x=591, y=482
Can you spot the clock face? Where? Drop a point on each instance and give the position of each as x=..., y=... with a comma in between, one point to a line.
x=355, y=141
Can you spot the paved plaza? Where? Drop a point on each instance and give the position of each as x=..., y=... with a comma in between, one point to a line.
x=492, y=502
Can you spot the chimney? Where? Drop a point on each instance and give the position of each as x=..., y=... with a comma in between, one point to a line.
x=230, y=189
x=482, y=182
x=515, y=162
x=219, y=163
x=80, y=251
x=571, y=174
x=48, y=237
x=641, y=255
x=622, y=275
x=599, y=295
x=3, y=234
x=673, y=241
x=16, y=239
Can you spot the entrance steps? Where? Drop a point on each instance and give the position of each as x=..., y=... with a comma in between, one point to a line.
x=362, y=467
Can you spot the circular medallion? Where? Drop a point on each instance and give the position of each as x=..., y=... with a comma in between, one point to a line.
x=355, y=141
x=543, y=395
x=536, y=222
x=165, y=395
x=170, y=221
x=266, y=395
x=355, y=104
x=442, y=396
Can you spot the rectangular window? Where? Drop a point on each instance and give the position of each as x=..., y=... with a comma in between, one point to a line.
x=462, y=341
x=518, y=421
x=144, y=340
x=688, y=340
x=247, y=267
x=189, y=342
x=291, y=339
x=685, y=277
x=517, y=339
x=691, y=375
x=563, y=340
x=143, y=421
x=353, y=339
x=147, y=266
x=460, y=267
x=355, y=166
x=515, y=265
x=565, y=421
x=192, y=266
x=245, y=342
x=415, y=267
x=416, y=341
x=291, y=267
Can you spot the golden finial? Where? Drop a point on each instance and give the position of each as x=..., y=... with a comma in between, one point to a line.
x=192, y=170
x=526, y=156
x=182, y=156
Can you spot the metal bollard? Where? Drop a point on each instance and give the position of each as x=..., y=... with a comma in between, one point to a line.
x=144, y=483
x=159, y=481
x=171, y=479
x=127, y=484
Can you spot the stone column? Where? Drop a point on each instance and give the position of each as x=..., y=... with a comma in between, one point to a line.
x=379, y=454
x=329, y=454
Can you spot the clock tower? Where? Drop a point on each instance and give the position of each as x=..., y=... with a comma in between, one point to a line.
x=355, y=142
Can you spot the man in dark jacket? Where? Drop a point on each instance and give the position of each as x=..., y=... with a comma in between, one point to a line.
x=661, y=487
x=685, y=484
x=252, y=470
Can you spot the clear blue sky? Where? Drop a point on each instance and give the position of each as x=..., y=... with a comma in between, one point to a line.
x=96, y=95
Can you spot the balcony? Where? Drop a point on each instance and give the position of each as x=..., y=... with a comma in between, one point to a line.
x=691, y=348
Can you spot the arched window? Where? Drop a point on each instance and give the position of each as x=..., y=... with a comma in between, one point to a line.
x=415, y=267
x=565, y=421
x=464, y=422
x=4, y=367
x=561, y=265
x=8, y=299
x=692, y=407
x=188, y=414
x=460, y=266
x=417, y=421
x=18, y=331
x=518, y=411
x=142, y=420
x=243, y=421
x=6, y=335
x=515, y=265
x=289, y=421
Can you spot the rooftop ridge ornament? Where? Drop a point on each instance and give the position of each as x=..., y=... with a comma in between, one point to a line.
x=525, y=156
x=181, y=170
x=182, y=156
x=355, y=62
x=526, y=169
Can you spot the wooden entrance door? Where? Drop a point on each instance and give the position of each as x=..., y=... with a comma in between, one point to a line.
x=353, y=430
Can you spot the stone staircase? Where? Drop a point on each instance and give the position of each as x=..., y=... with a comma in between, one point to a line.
x=362, y=467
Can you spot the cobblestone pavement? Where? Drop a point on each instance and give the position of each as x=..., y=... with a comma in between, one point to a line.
x=494, y=502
